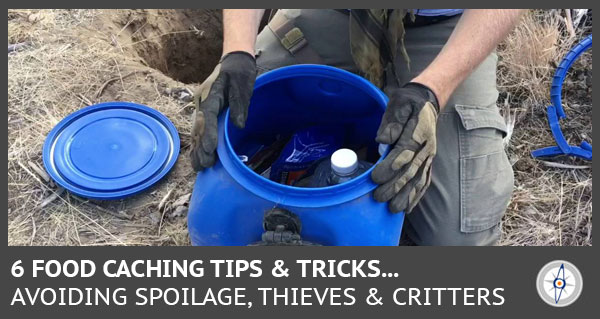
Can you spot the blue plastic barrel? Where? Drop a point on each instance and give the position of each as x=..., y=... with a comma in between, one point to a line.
x=229, y=199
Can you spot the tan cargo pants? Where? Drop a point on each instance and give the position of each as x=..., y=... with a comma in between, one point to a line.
x=472, y=178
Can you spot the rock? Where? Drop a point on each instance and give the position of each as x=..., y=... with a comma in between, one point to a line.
x=182, y=94
x=155, y=217
x=182, y=200
x=179, y=211
x=186, y=96
x=35, y=17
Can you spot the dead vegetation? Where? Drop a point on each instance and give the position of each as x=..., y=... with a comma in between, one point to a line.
x=72, y=58
x=552, y=200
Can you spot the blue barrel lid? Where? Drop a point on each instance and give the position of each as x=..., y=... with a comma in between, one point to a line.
x=111, y=150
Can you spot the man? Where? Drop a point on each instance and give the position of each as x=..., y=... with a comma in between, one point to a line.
x=447, y=169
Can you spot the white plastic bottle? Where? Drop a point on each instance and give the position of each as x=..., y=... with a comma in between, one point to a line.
x=343, y=166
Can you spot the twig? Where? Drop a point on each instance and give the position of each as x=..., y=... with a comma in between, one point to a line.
x=138, y=29
x=125, y=27
x=17, y=46
x=569, y=22
x=39, y=171
x=32, y=174
x=84, y=99
x=163, y=201
x=161, y=206
x=560, y=205
x=33, y=230
x=105, y=84
x=120, y=75
x=561, y=165
x=159, y=36
x=52, y=197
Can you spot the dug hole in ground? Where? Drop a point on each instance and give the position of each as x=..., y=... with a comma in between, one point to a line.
x=73, y=58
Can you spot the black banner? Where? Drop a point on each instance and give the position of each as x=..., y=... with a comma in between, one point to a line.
x=290, y=281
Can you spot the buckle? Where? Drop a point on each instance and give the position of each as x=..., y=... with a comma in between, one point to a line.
x=294, y=40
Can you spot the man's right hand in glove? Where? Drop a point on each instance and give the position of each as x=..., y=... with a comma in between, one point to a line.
x=230, y=84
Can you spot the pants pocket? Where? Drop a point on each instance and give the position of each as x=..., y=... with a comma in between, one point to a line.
x=486, y=175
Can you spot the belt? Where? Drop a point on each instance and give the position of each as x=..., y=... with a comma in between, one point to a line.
x=419, y=21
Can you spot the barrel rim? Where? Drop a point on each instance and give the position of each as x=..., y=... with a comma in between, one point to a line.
x=291, y=195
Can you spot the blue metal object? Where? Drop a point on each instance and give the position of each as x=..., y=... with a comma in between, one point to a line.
x=229, y=200
x=111, y=150
x=556, y=111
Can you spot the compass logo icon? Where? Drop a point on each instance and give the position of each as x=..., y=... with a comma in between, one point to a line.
x=559, y=283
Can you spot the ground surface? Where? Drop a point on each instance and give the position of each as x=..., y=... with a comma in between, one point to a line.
x=74, y=58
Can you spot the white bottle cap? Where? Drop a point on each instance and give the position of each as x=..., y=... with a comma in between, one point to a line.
x=344, y=161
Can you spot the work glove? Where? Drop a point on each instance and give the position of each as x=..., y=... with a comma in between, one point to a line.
x=409, y=124
x=230, y=84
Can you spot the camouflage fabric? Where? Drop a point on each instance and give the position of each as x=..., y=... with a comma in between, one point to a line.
x=375, y=37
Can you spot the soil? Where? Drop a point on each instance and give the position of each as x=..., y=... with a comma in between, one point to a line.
x=184, y=44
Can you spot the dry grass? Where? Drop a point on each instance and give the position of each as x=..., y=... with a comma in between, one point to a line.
x=60, y=72
x=528, y=55
x=550, y=205
x=78, y=57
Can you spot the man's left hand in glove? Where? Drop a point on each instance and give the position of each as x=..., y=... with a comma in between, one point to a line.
x=409, y=123
x=409, y=126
